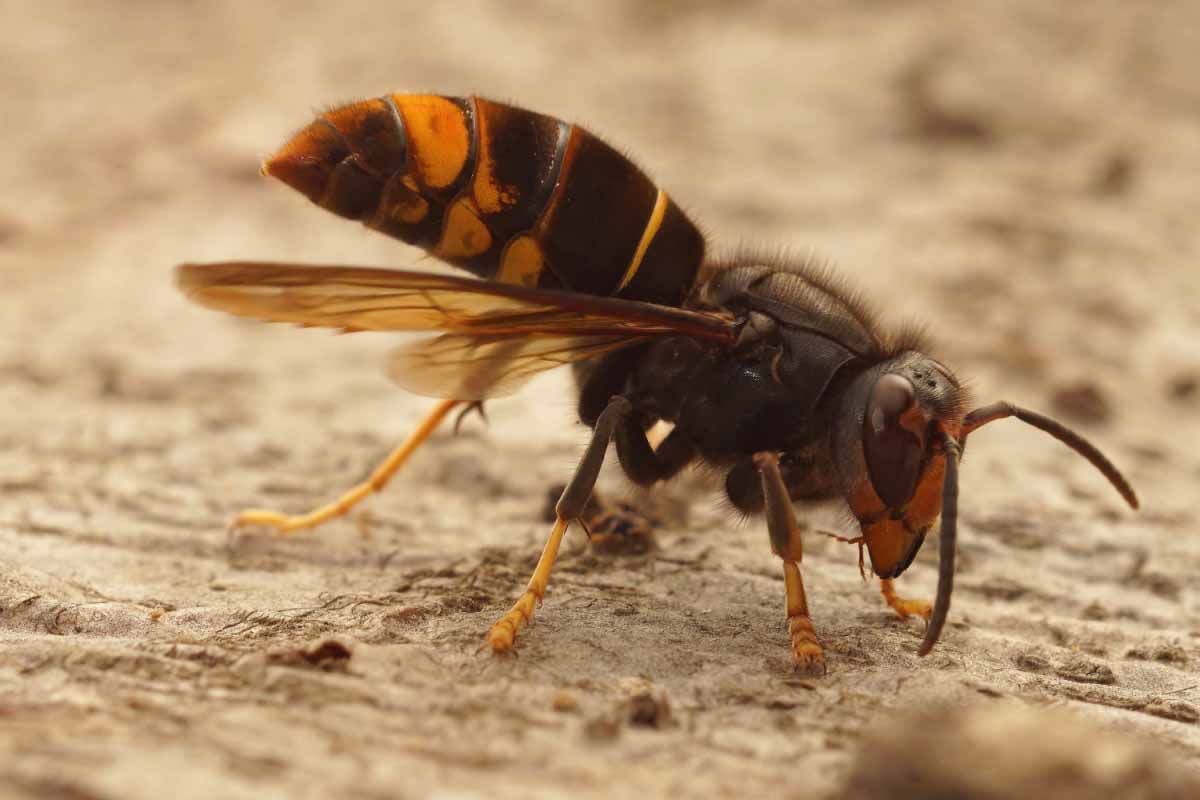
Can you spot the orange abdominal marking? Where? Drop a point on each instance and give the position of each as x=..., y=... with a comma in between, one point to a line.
x=522, y=262
x=401, y=203
x=438, y=137
x=464, y=234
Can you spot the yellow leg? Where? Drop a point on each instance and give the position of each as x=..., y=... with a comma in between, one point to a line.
x=806, y=649
x=570, y=506
x=905, y=608
x=285, y=523
x=788, y=543
x=504, y=632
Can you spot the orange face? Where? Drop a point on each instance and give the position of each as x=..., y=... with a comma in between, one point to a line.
x=898, y=495
x=893, y=536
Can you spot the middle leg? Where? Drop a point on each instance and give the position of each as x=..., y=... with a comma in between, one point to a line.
x=570, y=505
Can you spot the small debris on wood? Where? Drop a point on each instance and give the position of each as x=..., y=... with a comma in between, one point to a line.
x=328, y=655
x=1049, y=755
x=1083, y=401
x=1082, y=670
x=1184, y=388
x=564, y=700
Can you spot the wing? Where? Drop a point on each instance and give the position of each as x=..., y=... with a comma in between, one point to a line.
x=466, y=367
x=497, y=335
x=362, y=299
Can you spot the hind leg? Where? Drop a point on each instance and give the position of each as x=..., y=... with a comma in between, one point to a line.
x=284, y=524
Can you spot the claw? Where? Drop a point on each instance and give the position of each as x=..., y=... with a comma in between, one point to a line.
x=476, y=406
x=807, y=654
x=903, y=607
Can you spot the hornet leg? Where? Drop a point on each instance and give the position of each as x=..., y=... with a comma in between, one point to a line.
x=285, y=524
x=905, y=608
x=570, y=505
x=646, y=465
x=786, y=543
x=618, y=527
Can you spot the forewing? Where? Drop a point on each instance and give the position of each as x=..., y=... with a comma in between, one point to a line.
x=497, y=336
x=362, y=299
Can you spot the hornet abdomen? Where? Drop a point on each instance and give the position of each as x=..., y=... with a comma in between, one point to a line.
x=505, y=193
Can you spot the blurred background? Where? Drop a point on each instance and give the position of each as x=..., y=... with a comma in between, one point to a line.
x=1019, y=176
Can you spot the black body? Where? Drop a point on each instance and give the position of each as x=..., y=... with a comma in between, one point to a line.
x=804, y=343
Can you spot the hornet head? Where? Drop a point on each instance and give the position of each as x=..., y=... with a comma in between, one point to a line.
x=897, y=450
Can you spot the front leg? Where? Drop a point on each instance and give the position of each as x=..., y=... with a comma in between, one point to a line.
x=645, y=465
x=786, y=543
x=804, y=479
x=904, y=608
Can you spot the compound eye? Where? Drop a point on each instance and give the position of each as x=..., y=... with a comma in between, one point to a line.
x=892, y=395
x=893, y=451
